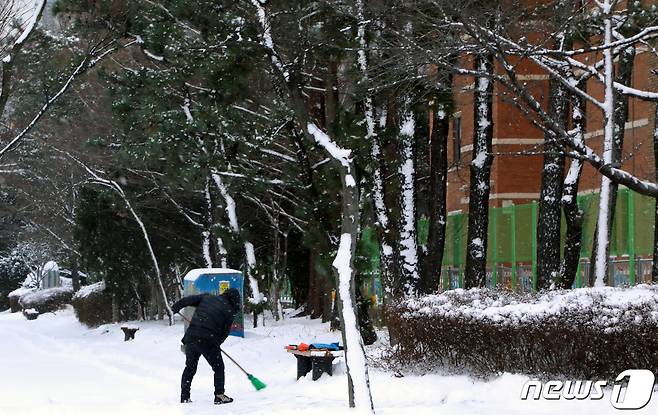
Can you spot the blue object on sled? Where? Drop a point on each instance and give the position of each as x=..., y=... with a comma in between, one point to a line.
x=215, y=281
x=328, y=346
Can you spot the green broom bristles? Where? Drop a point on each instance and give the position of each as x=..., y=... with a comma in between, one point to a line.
x=256, y=382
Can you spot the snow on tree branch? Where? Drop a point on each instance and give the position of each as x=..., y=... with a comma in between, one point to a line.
x=7, y=62
x=339, y=154
x=94, y=56
x=268, y=43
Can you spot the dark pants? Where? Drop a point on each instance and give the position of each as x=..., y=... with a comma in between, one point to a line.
x=209, y=349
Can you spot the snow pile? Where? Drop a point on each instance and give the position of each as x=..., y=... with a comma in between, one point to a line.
x=582, y=334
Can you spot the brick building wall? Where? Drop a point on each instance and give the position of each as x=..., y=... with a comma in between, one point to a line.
x=515, y=179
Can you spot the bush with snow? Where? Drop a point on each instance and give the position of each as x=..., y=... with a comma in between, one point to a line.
x=93, y=305
x=48, y=300
x=583, y=334
x=15, y=298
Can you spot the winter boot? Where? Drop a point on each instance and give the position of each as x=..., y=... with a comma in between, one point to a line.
x=220, y=399
x=185, y=399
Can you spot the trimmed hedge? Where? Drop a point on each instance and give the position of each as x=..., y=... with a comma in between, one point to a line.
x=93, y=305
x=15, y=296
x=48, y=300
x=588, y=333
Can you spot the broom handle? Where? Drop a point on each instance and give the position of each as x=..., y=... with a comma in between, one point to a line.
x=222, y=350
x=233, y=360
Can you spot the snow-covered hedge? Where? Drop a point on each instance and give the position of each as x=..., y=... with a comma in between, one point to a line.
x=93, y=306
x=44, y=301
x=15, y=296
x=582, y=334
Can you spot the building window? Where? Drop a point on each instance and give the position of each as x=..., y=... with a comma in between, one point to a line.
x=457, y=139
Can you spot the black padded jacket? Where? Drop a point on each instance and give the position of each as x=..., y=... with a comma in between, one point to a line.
x=213, y=316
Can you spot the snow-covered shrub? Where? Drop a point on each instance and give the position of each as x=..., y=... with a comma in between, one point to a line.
x=45, y=301
x=93, y=305
x=582, y=334
x=15, y=297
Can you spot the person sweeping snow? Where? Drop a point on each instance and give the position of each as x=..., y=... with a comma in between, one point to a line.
x=208, y=329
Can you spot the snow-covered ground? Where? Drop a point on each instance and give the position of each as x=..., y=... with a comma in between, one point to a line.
x=56, y=366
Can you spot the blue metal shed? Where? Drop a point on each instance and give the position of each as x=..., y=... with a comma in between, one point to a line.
x=215, y=281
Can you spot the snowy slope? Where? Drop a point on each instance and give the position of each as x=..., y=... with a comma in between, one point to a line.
x=54, y=365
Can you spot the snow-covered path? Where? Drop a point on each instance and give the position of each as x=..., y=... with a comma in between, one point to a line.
x=54, y=365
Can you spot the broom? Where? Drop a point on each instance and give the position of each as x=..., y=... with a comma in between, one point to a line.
x=257, y=383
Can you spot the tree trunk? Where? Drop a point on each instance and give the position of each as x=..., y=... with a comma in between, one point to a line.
x=222, y=254
x=386, y=242
x=366, y=328
x=437, y=200
x=387, y=235
x=156, y=266
x=115, y=309
x=391, y=188
x=313, y=298
x=572, y=213
x=355, y=358
x=335, y=314
x=152, y=307
x=317, y=299
x=625, y=77
x=478, y=205
x=325, y=300
x=276, y=276
x=75, y=274
x=620, y=116
x=250, y=257
x=207, y=223
x=408, y=244
x=275, y=305
x=654, y=268
x=603, y=222
x=552, y=177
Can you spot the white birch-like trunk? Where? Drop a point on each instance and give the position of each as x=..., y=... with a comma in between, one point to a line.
x=603, y=237
x=355, y=356
x=357, y=368
x=117, y=188
x=205, y=234
x=250, y=255
x=222, y=253
x=408, y=242
x=257, y=297
x=381, y=212
x=206, y=249
x=165, y=301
